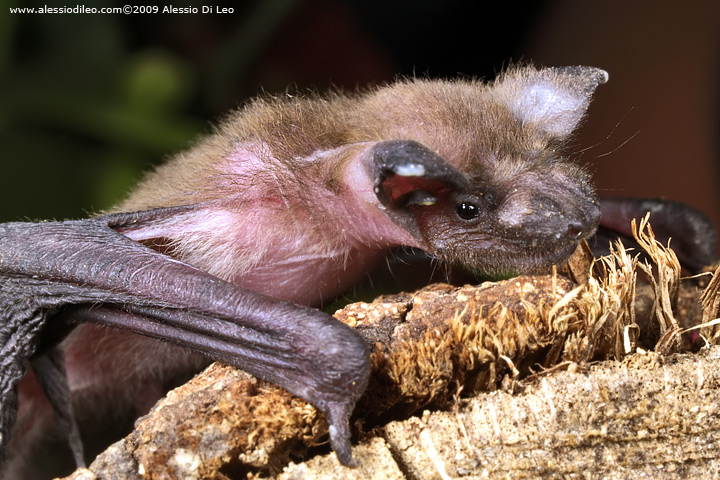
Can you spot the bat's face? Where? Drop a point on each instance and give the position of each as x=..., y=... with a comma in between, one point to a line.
x=523, y=220
x=481, y=180
x=526, y=226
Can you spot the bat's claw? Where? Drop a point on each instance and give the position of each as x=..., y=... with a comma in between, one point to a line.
x=338, y=416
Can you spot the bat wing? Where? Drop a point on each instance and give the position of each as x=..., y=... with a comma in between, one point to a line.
x=690, y=232
x=56, y=274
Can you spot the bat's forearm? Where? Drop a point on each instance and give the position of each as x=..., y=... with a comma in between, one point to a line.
x=302, y=349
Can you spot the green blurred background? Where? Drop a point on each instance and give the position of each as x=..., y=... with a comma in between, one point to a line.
x=88, y=102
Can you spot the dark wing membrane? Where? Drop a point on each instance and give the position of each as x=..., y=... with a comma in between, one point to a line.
x=56, y=274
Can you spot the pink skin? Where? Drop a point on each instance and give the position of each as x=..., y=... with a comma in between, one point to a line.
x=289, y=254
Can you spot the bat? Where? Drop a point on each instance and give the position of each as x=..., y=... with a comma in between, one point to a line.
x=225, y=249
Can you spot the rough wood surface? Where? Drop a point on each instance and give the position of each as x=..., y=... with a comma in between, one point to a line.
x=645, y=417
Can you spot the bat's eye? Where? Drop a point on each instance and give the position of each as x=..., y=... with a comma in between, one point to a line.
x=467, y=210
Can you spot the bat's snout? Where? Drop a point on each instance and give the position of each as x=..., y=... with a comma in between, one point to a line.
x=546, y=221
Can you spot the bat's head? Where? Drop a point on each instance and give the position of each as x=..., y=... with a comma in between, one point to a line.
x=482, y=181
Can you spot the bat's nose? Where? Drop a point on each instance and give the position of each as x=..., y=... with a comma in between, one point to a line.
x=584, y=222
x=548, y=220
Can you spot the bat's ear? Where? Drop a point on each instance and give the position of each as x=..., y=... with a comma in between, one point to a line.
x=408, y=173
x=553, y=99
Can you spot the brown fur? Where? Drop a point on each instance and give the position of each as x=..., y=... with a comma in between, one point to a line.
x=465, y=121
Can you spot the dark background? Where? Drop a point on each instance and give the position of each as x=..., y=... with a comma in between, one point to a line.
x=91, y=101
